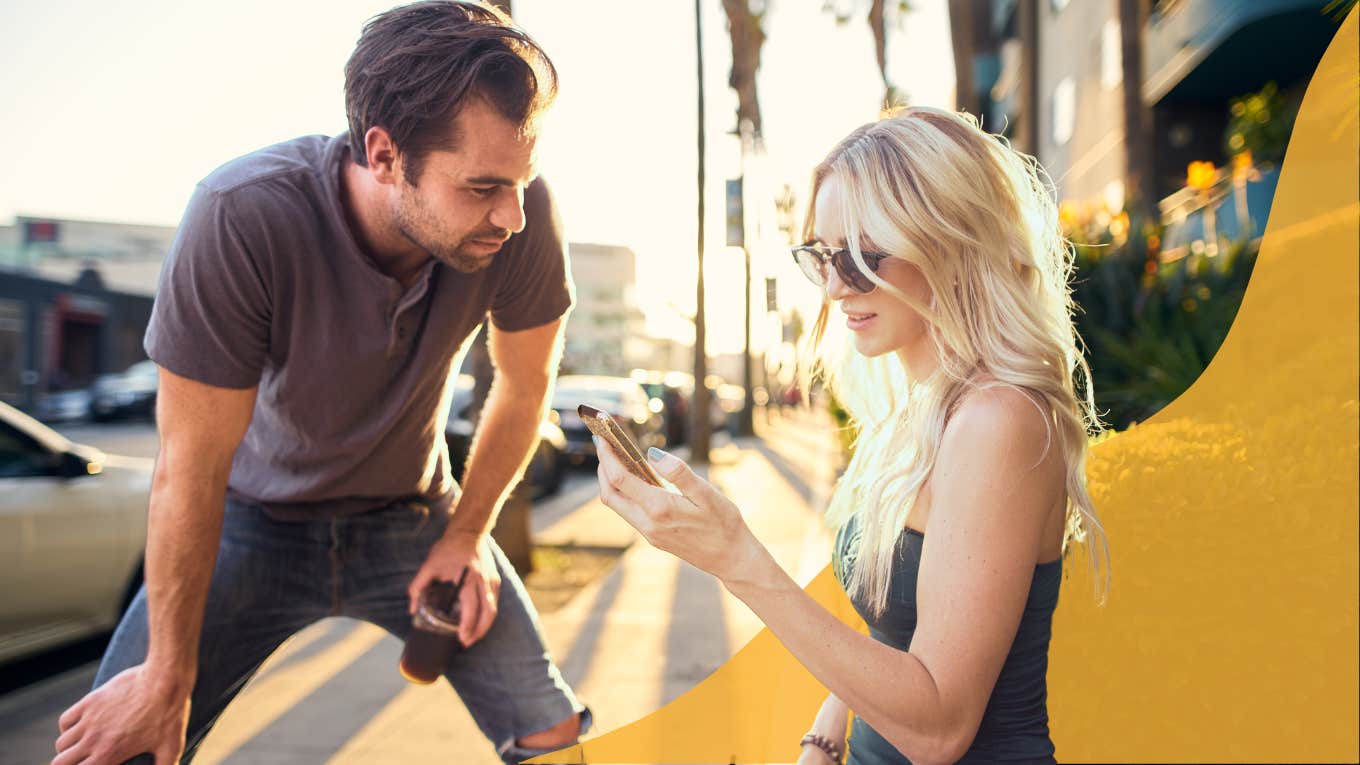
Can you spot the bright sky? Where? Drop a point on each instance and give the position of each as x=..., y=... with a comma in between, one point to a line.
x=114, y=110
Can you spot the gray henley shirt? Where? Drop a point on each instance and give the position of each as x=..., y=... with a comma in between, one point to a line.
x=265, y=285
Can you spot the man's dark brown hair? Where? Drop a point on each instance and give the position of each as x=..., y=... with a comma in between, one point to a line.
x=417, y=65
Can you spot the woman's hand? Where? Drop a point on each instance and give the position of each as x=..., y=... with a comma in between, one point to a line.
x=699, y=525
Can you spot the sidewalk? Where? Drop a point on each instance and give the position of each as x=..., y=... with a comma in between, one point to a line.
x=628, y=652
x=628, y=643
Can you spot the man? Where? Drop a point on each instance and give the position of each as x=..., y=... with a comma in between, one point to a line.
x=317, y=299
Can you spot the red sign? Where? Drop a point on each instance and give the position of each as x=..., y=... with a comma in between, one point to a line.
x=36, y=231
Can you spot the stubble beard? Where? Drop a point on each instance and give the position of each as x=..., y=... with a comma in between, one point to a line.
x=468, y=264
x=419, y=228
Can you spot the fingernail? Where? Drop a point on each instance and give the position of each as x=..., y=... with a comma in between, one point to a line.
x=596, y=439
x=661, y=458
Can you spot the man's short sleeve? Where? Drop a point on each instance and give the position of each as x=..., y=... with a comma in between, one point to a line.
x=211, y=318
x=536, y=287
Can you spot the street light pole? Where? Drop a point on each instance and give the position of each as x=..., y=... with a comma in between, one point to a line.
x=699, y=406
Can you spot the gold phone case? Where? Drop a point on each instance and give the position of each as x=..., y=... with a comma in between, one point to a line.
x=603, y=425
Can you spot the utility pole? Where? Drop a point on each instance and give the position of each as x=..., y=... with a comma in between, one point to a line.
x=736, y=237
x=746, y=422
x=699, y=406
x=746, y=425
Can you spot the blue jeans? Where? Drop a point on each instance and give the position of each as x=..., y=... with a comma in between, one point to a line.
x=274, y=578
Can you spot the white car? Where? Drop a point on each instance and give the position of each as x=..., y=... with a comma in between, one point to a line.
x=72, y=533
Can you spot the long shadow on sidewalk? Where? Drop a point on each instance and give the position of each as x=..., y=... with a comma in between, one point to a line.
x=311, y=730
x=696, y=638
x=577, y=663
x=330, y=631
x=787, y=471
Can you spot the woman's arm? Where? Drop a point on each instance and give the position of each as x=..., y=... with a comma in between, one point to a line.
x=991, y=491
x=831, y=722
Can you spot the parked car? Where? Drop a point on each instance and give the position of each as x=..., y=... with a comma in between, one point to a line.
x=72, y=533
x=621, y=397
x=544, y=474
x=667, y=391
x=64, y=405
x=731, y=399
x=129, y=393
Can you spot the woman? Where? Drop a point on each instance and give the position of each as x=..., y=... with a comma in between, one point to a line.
x=941, y=246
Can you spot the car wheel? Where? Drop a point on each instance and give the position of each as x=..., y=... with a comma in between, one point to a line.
x=552, y=482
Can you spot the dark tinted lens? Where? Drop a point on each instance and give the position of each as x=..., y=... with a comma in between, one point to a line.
x=850, y=273
x=812, y=266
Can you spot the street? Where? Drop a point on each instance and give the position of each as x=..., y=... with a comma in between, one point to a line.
x=629, y=642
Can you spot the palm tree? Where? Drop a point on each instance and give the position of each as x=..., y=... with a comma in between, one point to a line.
x=877, y=17
x=961, y=35
x=745, y=26
x=1139, y=185
x=880, y=32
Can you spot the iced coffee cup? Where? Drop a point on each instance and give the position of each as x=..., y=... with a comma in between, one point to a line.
x=434, y=633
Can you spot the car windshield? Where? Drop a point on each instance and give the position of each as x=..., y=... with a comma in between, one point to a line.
x=601, y=395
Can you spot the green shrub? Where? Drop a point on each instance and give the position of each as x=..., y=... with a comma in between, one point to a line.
x=1151, y=329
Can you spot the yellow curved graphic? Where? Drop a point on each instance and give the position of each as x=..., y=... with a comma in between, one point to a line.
x=1231, y=630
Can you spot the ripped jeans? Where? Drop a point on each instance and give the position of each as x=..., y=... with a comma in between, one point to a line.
x=273, y=578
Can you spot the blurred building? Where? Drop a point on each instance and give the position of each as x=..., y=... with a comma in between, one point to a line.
x=606, y=333
x=668, y=354
x=1079, y=125
x=58, y=336
x=127, y=256
x=75, y=299
x=1198, y=54
x=1049, y=74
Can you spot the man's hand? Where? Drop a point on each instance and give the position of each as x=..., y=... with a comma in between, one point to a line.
x=455, y=551
x=134, y=713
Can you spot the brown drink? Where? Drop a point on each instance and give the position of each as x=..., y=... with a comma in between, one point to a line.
x=434, y=633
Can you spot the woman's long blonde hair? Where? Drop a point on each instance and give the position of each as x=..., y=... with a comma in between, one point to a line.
x=978, y=219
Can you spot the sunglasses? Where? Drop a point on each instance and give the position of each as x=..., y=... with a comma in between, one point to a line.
x=813, y=258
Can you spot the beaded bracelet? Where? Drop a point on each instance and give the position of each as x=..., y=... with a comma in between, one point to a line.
x=823, y=743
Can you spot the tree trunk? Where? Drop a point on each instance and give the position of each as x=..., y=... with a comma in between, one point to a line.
x=879, y=29
x=1027, y=133
x=747, y=39
x=1140, y=187
x=513, y=531
x=961, y=33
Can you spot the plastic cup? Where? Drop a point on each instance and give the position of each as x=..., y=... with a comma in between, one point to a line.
x=434, y=634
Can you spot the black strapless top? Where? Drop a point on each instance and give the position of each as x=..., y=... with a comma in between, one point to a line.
x=1014, y=727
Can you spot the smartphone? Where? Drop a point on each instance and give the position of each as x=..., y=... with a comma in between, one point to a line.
x=602, y=424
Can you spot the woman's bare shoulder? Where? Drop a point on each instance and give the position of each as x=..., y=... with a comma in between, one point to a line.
x=998, y=473
x=990, y=409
